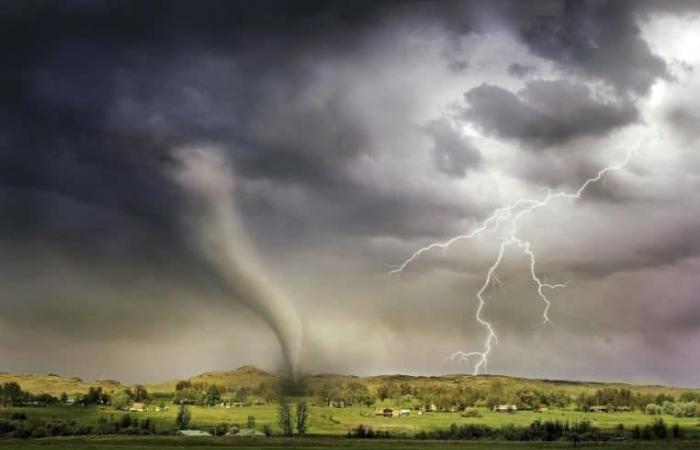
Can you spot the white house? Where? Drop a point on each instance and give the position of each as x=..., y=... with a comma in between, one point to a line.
x=194, y=433
x=505, y=408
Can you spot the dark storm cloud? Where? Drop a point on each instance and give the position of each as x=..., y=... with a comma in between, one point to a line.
x=518, y=70
x=453, y=153
x=545, y=113
x=97, y=95
x=113, y=86
x=685, y=121
x=599, y=39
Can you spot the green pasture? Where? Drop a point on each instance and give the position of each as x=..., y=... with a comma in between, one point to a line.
x=338, y=421
x=315, y=443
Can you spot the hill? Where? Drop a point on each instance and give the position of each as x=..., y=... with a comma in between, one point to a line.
x=55, y=384
x=252, y=377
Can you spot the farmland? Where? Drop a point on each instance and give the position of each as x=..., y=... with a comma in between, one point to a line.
x=338, y=421
x=315, y=443
x=222, y=401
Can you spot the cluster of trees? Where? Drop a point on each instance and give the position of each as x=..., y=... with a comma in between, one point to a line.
x=619, y=398
x=205, y=394
x=201, y=394
x=11, y=394
x=19, y=427
x=613, y=399
x=536, y=431
x=94, y=396
x=288, y=420
x=350, y=394
x=459, y=397
x=678, y=409
x=446, y=397
x=656, y=430
x=123, y=398
x=554, y=431
x=362, y=432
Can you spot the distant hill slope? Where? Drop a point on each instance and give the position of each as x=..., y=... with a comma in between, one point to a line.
x=56, y=384
x=252, y=377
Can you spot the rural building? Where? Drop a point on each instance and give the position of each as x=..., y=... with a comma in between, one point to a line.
x=248, y=432
x=404, y=413
x=194, y=433
x=137, y=407
x=505, y=408
x=336, y=404
x=386, y=412
x=598, y=408
x=470, y=412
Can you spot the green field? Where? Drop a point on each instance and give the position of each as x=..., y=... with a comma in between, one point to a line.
x=148, y=443
x=338, y=421
x=328, y=427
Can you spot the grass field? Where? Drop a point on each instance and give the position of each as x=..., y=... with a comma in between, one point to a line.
x=151, y=443
x=337, y=421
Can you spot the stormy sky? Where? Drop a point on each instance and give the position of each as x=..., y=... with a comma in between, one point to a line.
x=350, y=134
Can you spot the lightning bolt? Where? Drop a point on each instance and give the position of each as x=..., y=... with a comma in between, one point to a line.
x=512, y=213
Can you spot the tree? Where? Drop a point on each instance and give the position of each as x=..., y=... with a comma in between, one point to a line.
x=251, y=422
x=213, y=395
x=11, y=394
x=183, y=417
x=242, y=395
x=302, y=417
x=64, y=398
x=182, y=385
x=120, y=399
x=689, y=396
x=285, y=418
x=653, y=409
x=385, y=391
x=140, y=393
x=95, y=396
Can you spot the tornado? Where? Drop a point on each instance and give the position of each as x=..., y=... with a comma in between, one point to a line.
x=216, y=231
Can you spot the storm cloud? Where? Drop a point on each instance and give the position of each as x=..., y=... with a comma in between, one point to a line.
x=356, y=132
x=546, y=113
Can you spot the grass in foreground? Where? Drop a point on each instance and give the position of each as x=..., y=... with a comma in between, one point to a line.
x=338, y=421
x=318, y=443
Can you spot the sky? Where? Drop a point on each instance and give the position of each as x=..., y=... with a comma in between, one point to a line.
x=194, y=186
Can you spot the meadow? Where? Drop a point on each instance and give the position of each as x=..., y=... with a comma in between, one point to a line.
x=326, y=421
x=250, y=395
x=316, y=443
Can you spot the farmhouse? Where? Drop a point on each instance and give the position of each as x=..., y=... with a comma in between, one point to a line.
x=248, y=432
x=598, y=409
x=386, y=412
x=194, y=433
x=505, y=408
x=405, y=413
x=470, y=412
x=137, y=407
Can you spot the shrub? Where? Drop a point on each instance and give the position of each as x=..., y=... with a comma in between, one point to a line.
x=653, y=409
x=360, y=432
